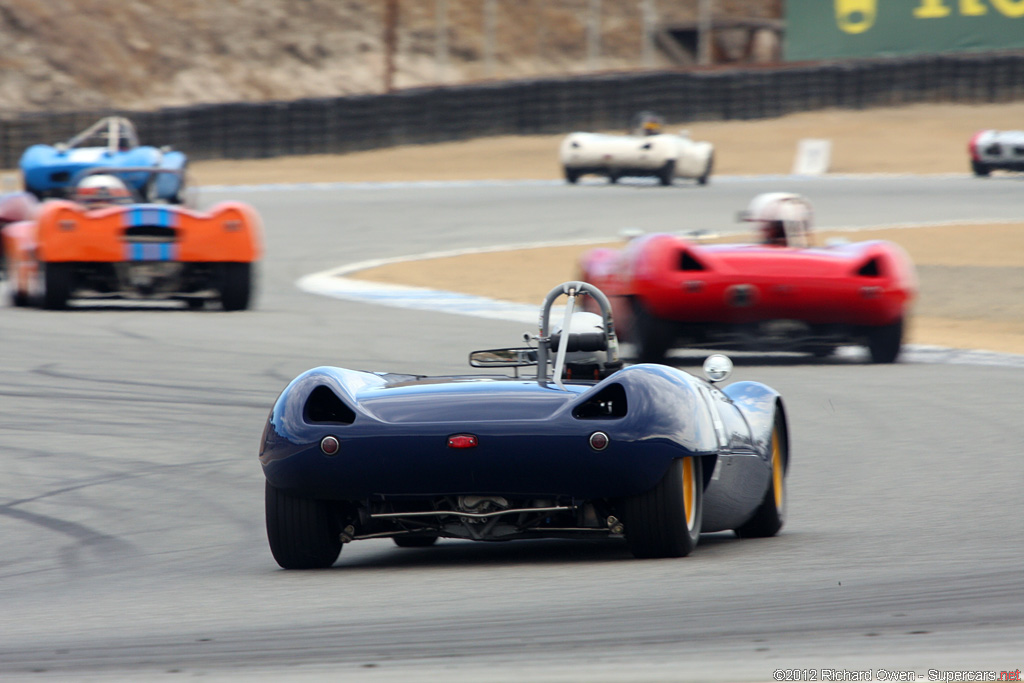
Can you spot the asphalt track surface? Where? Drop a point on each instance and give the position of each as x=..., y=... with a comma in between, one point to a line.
x=131, y=501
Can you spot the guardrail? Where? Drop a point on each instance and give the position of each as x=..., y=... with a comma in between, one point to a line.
x=553, y=105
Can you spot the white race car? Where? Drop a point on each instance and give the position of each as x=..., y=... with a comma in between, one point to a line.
x=645, y=152
x=995, y=150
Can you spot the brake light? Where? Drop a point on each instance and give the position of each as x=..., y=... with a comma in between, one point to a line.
x=330, y=445
x=599, y=441
x=462, y=441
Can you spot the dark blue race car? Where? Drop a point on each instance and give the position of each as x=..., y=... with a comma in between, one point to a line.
x=586, y=448
x=50, y=170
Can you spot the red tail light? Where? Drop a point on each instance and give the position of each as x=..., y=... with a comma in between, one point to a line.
x=329, y=445
x=462, y=441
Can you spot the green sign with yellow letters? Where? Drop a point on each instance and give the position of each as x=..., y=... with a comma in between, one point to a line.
x=829, y=29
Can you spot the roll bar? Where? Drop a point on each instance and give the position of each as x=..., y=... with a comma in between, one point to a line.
x=572, y=289
x=112, y=128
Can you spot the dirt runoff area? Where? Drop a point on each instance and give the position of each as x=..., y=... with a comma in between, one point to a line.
x=971, y=276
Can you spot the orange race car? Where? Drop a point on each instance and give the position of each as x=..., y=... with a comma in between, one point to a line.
x=107, y=244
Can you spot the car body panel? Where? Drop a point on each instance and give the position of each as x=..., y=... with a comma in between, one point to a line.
x=631, y=155
x=51, y=170
x=15, y=208
x=69, y=232
x=678, y=280
x=997, y=150
x=532, y=438
x=140, y=236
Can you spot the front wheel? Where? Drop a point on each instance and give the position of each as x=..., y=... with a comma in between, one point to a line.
x=302, y=532
x=884, y=342
x=980, y=169
x=236, y=288
x=571, y=175
x=666, y=521
x=704, y=177
x=771, y=514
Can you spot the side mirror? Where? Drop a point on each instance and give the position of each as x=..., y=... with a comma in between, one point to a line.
x=717, y=367
x=503, y=358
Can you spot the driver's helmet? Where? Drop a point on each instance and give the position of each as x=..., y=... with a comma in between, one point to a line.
x=587, y=354
x=647, y=123
x=102, y=190
x=781, y=218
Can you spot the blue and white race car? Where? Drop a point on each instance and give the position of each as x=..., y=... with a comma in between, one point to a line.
x=48, y=170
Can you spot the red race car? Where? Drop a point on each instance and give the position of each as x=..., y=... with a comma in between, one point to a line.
x=781, y=294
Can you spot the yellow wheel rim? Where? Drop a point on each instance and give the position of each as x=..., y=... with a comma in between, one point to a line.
x=778, y=470
x=689, y=493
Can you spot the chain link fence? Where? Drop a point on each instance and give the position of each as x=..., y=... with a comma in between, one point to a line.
x=543, y=106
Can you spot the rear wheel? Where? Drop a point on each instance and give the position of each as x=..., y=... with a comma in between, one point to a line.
x=667, y=174
x=236, y=288
x=56, y=285
x=652, y=336
x=19, y=297
x=571, y=175
x=302, y=532
x=771, y=514
x=665, y=521
x=885, y=341
x=179, y=194
x=980, y=169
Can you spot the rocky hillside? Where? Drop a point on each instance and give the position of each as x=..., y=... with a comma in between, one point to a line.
x=144, y=54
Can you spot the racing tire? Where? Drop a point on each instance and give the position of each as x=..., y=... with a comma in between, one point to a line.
x=149, y=190
x=667, y=173
x=703, y=179
x=302, y=532
x=19, y=298
x=884, y=342
x=56, y=285
x=822, y=351
x=666, y=521
x=980, y=169
x=414, y=541
x=571, y=176
x=179, y=195
x=236, y=286
x=613, y=178
x=652, y=336
x=771, y=513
